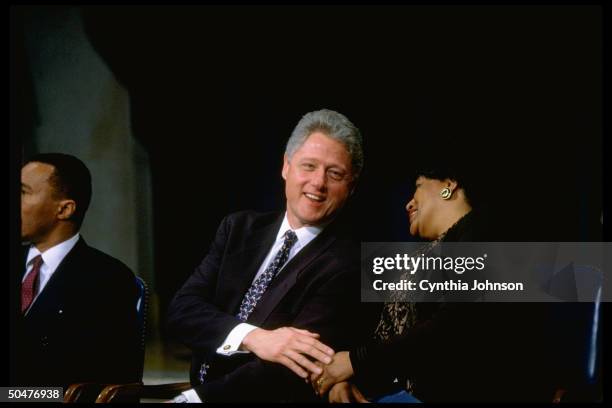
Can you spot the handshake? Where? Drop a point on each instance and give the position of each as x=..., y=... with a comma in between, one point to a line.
x=303, y=353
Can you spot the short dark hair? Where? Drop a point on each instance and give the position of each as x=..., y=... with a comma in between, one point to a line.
x=452, y=165
x=70, y=178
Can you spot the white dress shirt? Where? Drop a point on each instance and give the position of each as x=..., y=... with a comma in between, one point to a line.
x=234, y=339
x=52, y=257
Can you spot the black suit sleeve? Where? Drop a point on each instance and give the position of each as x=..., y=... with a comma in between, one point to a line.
x=193, y=316
x=379, y=362
x=465, y=351
x=325, y=312
x=101, y=321
x=114, y=328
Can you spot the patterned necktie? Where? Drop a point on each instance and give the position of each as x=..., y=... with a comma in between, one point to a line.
x=28, y=286
x=262, y=282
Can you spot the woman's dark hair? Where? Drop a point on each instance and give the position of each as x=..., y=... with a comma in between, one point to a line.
x=70, y=179
x=458, y=168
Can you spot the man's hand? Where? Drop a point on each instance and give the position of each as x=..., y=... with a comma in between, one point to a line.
x=289, y=346
x=346, y=392
x=340, y=369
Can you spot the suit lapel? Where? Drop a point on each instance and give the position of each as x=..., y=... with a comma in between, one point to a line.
x=60, y=282
x=287, y=277
x=24, y=257
x=245, y=262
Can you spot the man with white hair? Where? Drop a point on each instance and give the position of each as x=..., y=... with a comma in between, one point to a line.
x=275, y=288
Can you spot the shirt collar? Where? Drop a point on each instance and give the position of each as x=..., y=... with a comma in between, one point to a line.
x=53, y=256
x=304, y=234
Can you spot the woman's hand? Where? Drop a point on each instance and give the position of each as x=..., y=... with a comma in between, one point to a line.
x=346, y=392
x=340, y=369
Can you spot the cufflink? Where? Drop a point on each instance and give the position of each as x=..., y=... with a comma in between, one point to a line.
x=203, y=371
x=227, y=347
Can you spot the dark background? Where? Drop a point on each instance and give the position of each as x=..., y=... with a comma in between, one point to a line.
x=514, y=92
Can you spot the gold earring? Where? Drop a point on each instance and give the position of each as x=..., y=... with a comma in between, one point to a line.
x=446, y=193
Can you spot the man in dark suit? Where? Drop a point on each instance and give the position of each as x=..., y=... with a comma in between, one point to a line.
x=265, y=272
x=78, y=305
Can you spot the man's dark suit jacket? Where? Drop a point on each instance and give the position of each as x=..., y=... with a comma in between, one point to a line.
x=82, y=327
x=317, y=290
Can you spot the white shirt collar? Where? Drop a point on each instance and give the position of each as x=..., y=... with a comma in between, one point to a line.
x=304, y=234
x=53, y=256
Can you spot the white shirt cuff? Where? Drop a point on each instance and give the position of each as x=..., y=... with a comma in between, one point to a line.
x=191, y=395
x=234, y=339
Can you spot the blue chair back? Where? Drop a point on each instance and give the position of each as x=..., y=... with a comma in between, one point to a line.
x=579, y=341
x=142, y=305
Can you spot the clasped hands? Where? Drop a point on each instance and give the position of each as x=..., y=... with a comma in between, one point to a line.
x=302, y=352
x=334, y=378
x=290, y=347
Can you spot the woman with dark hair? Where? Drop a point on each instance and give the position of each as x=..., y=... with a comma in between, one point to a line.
x=448, y=351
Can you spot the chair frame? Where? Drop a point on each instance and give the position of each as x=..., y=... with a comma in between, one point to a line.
x=118, y=392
